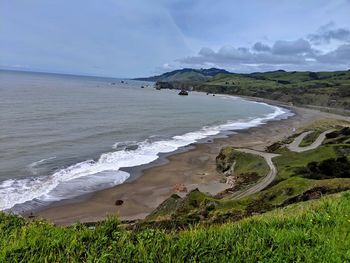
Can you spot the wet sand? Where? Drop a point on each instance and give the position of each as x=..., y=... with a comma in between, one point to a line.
x=194, y=168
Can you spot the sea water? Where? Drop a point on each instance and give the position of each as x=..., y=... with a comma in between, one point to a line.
x=62, y=136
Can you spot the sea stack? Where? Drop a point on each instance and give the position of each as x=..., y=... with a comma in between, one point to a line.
x=183, y=92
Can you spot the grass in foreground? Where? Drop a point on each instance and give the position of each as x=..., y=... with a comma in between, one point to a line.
x=315, y=231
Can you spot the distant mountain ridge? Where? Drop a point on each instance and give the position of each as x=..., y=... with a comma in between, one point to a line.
x=186, y=74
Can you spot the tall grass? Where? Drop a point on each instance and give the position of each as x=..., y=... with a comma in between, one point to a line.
x=315, y=231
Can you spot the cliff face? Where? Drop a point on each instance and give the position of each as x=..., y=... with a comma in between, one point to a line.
x=180, y=85
x=226, y=160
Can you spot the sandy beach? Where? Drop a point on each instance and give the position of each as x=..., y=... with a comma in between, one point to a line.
x=194, y=168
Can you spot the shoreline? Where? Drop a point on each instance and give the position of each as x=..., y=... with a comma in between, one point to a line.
x=192, y=165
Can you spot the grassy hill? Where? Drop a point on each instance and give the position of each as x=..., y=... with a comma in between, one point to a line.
x=324, y=89
x=186, y=74
x=315, y=231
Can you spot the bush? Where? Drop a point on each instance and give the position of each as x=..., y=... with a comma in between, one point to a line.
x=327, y=169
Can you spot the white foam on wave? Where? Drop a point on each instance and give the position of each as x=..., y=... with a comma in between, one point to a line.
x=92, y=175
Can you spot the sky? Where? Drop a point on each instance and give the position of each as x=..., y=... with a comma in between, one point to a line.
x=135, y=38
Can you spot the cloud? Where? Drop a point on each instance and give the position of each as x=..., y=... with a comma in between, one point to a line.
x=296, y=47
x=340, y=55
x=290, y=55
x=260, y=47
x=282, y=52
x=327, y=33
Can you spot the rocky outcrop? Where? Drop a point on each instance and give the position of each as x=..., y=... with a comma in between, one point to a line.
x=225, y=161
x=183, y=92
x=163, y=85
x=231, y=181
x=178, y=85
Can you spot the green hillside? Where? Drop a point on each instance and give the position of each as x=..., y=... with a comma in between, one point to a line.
x=324, y=89
x=186, y=74
x=315, y=231
x=300, y=176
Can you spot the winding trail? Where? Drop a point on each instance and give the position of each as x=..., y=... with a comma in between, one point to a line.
x=266, y=180
x=294, y=146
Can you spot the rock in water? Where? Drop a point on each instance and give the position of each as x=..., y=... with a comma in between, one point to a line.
x=183, y=92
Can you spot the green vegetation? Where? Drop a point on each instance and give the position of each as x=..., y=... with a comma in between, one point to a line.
x=336, y=145
x=186, y=74
x=300, y=177
x=320, y=126
x=233, y=162
x=247, y=163
x=315, y=231
x=325, y=89
x=240, y=169
x=310, y=138
x=198, y=208
x=330, y=168
x=289, y=162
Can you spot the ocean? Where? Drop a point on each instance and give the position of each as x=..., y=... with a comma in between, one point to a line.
x=64, y=136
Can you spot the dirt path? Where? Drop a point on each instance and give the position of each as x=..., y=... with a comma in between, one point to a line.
x=267, y=179
x=294, y=146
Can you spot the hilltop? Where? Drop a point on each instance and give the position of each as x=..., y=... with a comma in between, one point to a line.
x=186, y=74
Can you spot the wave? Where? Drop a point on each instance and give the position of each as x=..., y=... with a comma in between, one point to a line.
x=92, y=175
x=34, y=167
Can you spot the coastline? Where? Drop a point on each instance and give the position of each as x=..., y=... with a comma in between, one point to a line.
x=193, y=166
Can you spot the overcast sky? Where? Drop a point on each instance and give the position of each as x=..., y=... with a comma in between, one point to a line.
x=139, y=38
